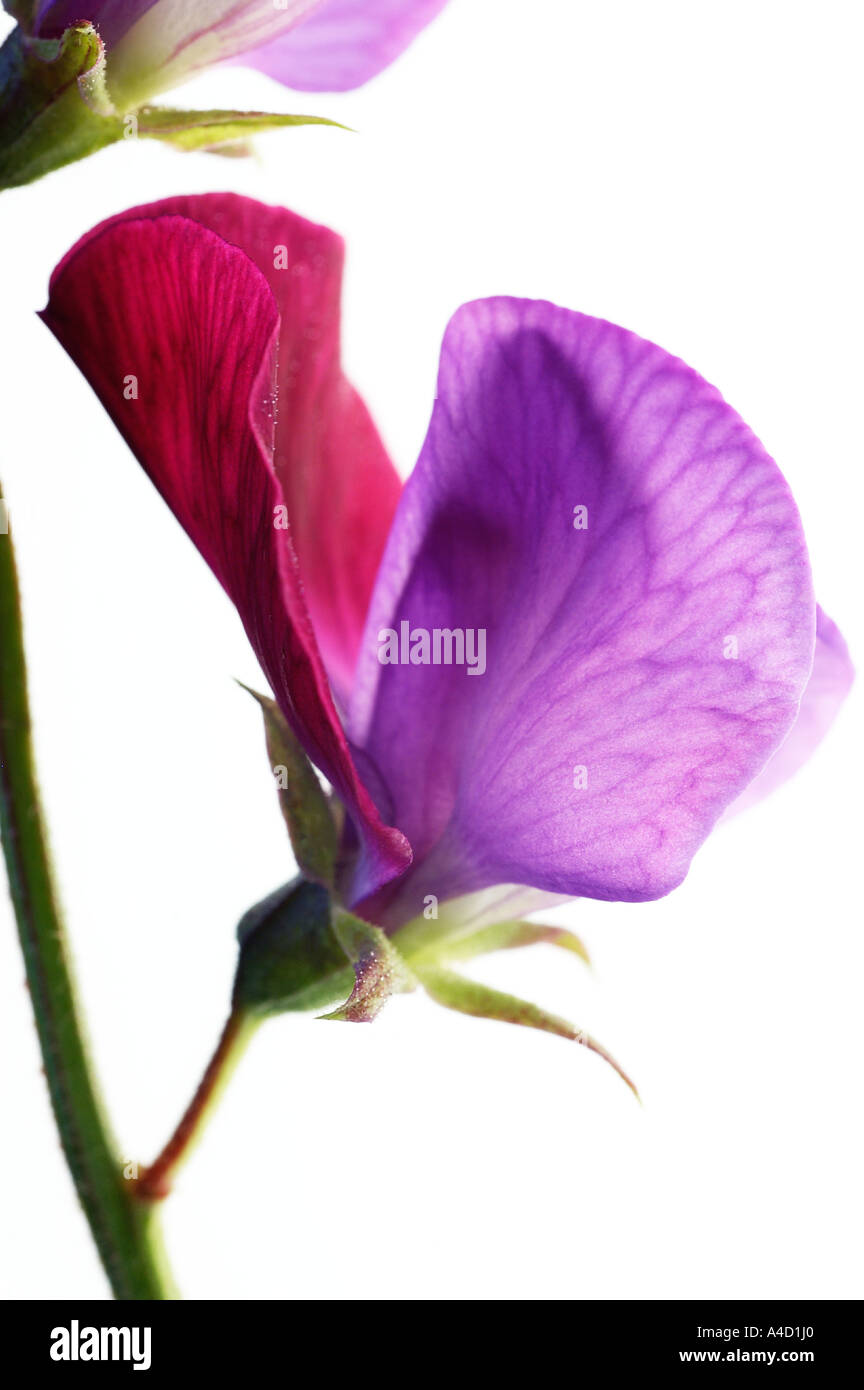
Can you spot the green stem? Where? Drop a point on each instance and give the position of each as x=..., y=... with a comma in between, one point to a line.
x=124, y=1230
x=157, y=1179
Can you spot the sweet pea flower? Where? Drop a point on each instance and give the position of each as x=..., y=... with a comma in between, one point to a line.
x=107, y=58
x=311, y=45
x=606, y=562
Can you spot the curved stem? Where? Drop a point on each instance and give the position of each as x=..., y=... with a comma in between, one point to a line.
x=125, y=1232
x=156, y=1181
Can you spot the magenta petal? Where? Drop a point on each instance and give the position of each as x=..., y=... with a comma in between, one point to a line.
x=639, y=671
x=337, y=480
x=343, y=43
x=176, y=332
x=829, y=684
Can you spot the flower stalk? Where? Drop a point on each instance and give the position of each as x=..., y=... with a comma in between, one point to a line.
x=156, y=1181
x=126, y=1234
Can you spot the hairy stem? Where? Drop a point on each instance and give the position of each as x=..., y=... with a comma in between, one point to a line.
x=125, y=1232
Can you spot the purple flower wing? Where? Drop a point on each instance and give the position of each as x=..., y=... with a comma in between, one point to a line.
x=343, y=43
x=111, y=17
x=644, y=656
x=312, y=45
x=309, y=45
x=829, y=684
x=155, y=44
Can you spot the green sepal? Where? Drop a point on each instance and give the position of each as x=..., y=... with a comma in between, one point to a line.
x=379, y=968
x=302, y=800
x=469, y=997
x=54, y=106
x=299, y=953
x=421, y=943
x=205, y=130
x=291, y=960
x=93, y=86
x=509, y=936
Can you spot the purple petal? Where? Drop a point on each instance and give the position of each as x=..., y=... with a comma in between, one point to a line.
x=111, y=17
x=312, y=45
x=155, y=44
x=639, y=672
x=344, y=43
x=829, y=684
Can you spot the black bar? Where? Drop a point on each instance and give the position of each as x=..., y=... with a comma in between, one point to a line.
x=221, y=1338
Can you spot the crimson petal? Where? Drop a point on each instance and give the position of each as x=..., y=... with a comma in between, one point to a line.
x=337, y=479
x=176, y=330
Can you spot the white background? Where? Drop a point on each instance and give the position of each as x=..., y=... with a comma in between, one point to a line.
x=693, y=172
